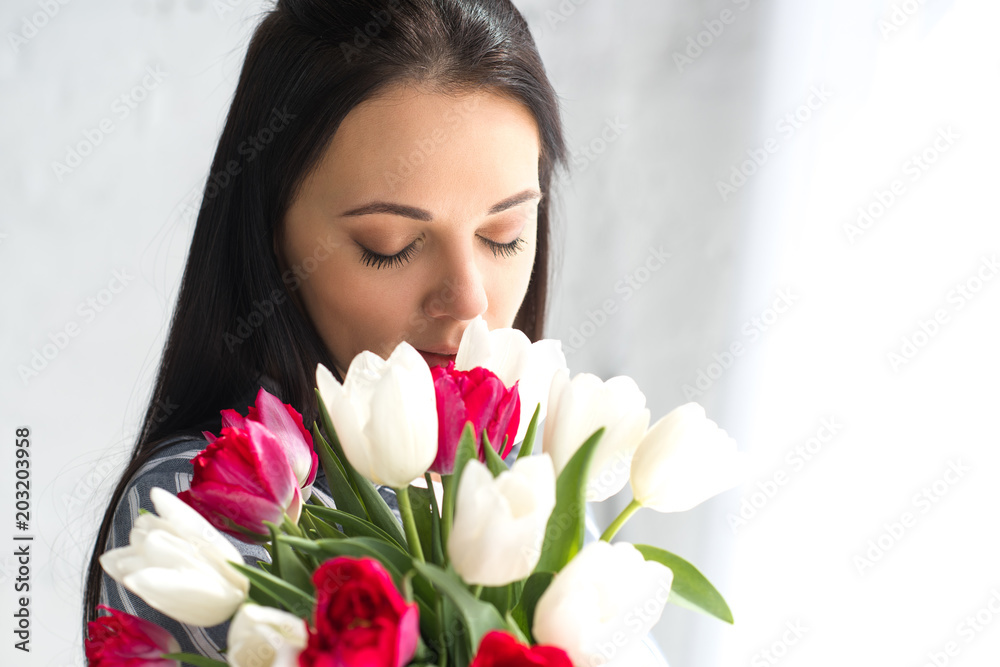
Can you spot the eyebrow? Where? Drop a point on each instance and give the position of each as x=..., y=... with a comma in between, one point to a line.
x=425, y=216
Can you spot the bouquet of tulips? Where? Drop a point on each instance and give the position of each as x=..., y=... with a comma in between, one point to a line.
x=489, y=566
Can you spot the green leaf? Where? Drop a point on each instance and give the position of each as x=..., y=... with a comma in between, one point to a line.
x=396, y=562
x=293, y=599
x=515, y=629
x=321, y=528
x=457, y=652
x=293, y=570
x=464, y=452
x=355, y=547
x=343, y=492
x=352, y=525
x=493, y=460
x=275, y=554
x=378, y=511
x=428, y=523
x=437, y=554
x=193, y=659
x=498, y=596
x=264, y=599
x=689, y=588
x=394, y=559
x=523, y=612
x=285, y=563
x=566, y=526
x=529, y=436
x=477, y=616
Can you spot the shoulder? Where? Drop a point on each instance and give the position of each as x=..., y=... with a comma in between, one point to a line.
x=168, y=467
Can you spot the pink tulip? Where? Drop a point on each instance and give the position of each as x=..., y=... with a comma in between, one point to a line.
x=285, y=423
x=242, y=479
x=479, y=396
x=122, y=640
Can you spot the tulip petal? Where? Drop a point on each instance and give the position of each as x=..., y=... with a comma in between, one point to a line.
x=185, y=521
x=452, y=416
x=403, y=453
x=510, y=354
x=500, y=523
x=172, y=593
x=297, y=442
x=347, y=414
x=276, y=474
x=594, y=598
x=577, y=408
x=247, y=510
x=232, y=419
x=685, y=459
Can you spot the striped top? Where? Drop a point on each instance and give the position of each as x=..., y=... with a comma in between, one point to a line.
x=171, y=469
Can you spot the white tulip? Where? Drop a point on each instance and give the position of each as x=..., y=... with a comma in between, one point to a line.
x=580, y=406
x=179, y=564
x=500, y=523
x=683, y=460
x=511, y=355
x=602, y=603
x=385, y=414
x=265, y=637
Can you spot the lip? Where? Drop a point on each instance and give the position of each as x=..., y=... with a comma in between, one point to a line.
x=441, y=357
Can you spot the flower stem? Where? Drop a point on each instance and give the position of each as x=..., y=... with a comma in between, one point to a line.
x=477, y=590
x=620, y=520
x=406, y=512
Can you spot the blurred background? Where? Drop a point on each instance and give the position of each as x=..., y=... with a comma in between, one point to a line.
x=784, y=210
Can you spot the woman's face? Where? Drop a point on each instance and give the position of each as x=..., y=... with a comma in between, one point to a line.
x=421, y=215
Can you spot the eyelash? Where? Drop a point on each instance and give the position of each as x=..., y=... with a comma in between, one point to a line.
x=378, y=261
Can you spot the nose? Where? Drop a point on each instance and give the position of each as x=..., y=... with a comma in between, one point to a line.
x=459, y=292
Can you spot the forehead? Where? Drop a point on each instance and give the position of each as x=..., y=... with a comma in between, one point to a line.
x=457, y=153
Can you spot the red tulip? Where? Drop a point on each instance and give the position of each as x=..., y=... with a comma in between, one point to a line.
x=242, y=479
x=360, y=618
x=479, y=396
x=122, y=640
x=499, y=649
x=285, y=423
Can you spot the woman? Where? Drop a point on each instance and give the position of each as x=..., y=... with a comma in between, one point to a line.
x=383, y=175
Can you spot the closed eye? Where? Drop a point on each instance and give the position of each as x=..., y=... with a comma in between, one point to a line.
x=505, y=249
x=379, y=261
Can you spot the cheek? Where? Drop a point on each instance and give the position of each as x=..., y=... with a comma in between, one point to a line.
x=354, y=310
x=509, y=285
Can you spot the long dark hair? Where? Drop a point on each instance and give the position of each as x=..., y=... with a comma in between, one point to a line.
x=308, y=64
